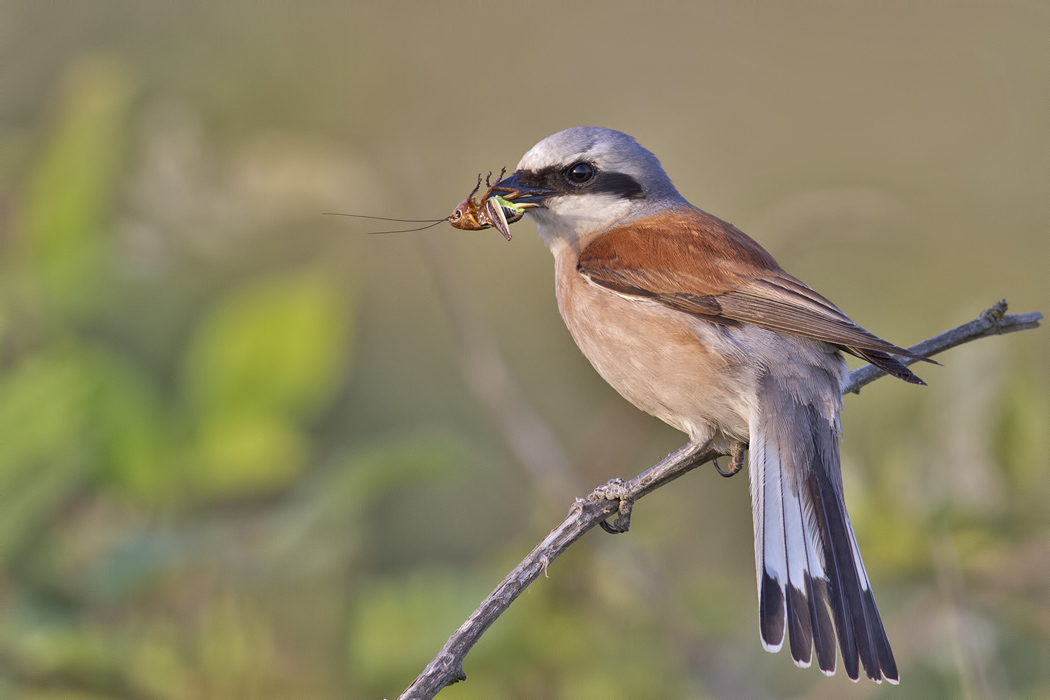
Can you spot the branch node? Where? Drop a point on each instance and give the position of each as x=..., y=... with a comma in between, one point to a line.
x=452, y=669
x=577, y=507
x=994, y=315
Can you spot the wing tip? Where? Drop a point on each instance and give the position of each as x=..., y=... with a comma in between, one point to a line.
x=890, y=364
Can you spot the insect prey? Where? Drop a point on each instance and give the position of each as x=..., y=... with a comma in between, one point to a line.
x=494, y=211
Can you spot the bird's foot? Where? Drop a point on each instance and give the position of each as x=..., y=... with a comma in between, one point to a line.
x=736, y=461
x=615, y=490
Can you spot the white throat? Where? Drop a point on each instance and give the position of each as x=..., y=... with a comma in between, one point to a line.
x=573, y=221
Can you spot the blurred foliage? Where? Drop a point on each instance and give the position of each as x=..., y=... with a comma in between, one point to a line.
x=238, y=454
x=69, y=193
x=259, y=364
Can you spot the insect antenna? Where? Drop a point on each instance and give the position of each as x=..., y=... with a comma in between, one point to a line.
x=409, y=230
x=431, y=223
x=384, y=218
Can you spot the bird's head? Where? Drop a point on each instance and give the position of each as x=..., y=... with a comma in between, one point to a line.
x=585, y=180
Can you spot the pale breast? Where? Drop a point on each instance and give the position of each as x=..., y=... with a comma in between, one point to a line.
x=690, y=373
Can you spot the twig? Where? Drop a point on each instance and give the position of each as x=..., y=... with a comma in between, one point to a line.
x=993, y=321
x=447, y=667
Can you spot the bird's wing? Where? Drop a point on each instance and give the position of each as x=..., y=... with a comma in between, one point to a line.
x=696, y=263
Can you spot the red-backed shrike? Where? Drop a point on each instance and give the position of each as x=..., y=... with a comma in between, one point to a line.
x=695, y=323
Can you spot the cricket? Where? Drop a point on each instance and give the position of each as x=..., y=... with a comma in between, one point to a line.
x=492, y=211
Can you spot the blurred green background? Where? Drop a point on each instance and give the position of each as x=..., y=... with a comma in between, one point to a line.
x=247, y=451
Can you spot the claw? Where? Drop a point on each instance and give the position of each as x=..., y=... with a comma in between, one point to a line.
x=736, y=461
x=614, y=491
x=623, y=521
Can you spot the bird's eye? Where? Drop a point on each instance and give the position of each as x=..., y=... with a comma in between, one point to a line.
x=580, y=173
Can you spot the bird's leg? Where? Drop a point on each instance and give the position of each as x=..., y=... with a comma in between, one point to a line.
x=625, y=492
x=615, y=490
x=736, y=461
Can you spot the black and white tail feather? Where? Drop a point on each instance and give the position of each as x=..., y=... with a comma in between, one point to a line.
x=811, y=581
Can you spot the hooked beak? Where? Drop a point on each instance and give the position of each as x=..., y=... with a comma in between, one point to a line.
x=523, y=196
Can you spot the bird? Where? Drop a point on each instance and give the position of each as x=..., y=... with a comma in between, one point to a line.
x=695, y=323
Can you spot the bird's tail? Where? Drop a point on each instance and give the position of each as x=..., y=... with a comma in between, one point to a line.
x=811, y=580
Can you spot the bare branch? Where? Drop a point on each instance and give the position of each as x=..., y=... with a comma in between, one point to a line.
x=618, y=496
x=993, y=321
